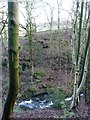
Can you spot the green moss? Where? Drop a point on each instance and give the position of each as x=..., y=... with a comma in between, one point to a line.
x=38, y=81
x=33, y=88
x=17, y=109
x=39, y=73
x=57, y=96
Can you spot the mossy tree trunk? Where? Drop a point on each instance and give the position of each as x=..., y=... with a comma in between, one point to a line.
x=87, y=83
x=13, y=37
x=77, y=72
x=29, y=13
x=31, y=51
x=85, y=64
x=82, y=73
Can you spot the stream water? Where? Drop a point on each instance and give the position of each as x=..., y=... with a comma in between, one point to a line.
x=32, y=104
x=41, y=103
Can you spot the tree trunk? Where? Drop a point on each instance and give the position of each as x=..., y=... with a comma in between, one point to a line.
x=87, y=83
x=30, y=25
x=77, y=72
x=31, y=51
x=13, y=37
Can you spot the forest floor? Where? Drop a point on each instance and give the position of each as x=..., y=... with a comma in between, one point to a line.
x=52, y=67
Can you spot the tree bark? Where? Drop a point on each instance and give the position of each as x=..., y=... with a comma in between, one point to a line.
x=13, y=37
x=87, y=83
